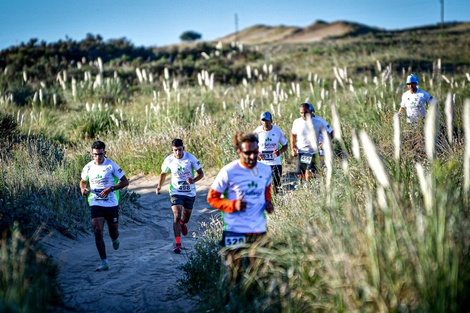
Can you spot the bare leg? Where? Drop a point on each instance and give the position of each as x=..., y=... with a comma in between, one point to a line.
x=98, y=225
x=177, y=212
x=113, y=230
x=186, y=215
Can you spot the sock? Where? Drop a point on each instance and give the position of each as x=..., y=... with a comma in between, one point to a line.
x=104, y=261
x=178, y=240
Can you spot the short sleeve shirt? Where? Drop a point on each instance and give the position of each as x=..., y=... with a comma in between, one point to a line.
x=235, y=180
x=101, y=177
x=303, y=136
x=180, y=170
x=415, y=104
x=326, y=126
x=269, y=141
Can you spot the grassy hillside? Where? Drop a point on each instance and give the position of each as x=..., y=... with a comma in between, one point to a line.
x=361, y=238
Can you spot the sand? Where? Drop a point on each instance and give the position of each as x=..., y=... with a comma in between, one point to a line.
x=143, y=273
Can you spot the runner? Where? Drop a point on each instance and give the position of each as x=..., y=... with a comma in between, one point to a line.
x=105, y=178
x=242, y=191
x=182, y=166
x=415, y=100
x=270, y=139
x=326, y=126
x=304, y=142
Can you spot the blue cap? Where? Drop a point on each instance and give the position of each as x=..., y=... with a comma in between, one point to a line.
x=412, y=79
x=311, y=107
x=266, y=116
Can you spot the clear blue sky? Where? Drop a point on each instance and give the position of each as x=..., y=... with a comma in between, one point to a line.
x=159, y=23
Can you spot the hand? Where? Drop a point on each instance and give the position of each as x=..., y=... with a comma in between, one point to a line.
x=240, y=205
x=157, y=191
x=277, y=153
x=294, y=152
x=190, y=180
x=269, y=207
x=85, y=192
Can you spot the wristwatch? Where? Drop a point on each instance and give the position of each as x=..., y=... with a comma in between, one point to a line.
x=112, y=188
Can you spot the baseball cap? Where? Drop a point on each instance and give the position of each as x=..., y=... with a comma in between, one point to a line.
x=266, y=116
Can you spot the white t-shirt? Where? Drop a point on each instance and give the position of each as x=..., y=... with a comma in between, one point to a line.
x=300, y=129
x=235, y=180
x=326, y=126
x=269, y=141
x=101, y=177
x=180, y=170
x=415, y=104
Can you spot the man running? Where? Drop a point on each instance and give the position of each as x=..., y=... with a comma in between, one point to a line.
x=414, y=101
x=272, y=143
x=326, y=126
x=105, y=178
x=182, y=166
x=304, y=143
x=242, y=191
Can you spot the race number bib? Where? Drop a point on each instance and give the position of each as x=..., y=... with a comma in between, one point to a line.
x=97, y=195
x=230, y=239
x=306, y=158
x=183, y=186
x=267, y=155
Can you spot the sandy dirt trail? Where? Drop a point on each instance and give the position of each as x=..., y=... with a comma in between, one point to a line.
x=143, y=272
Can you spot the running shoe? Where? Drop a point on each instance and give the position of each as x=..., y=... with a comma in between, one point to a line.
x=177, y=249
x=184, y=229
x=103, y=267
x=116, y=244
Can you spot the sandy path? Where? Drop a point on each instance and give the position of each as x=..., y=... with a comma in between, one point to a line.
x=142, y=275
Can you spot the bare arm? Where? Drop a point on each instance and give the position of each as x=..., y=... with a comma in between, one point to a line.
x=199, y=176
x=83, y=187
x=161, y=180
x=293, y=138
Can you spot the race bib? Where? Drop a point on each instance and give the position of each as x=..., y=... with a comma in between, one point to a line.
x=97, y=195
x=267, y=155
x=184, y=186
x=306, y=158
x=232, y=239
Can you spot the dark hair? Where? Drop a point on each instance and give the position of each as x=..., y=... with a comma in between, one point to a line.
x=98, y=145
x=240, y=138
x=177, y=142
x=305, y=105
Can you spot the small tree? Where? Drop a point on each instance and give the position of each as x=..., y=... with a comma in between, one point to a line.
x=190, y=36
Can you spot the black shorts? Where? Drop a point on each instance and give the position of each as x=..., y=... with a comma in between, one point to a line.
x=185, y=201
x=276, y=171
x=111, y=214
x=303, y=167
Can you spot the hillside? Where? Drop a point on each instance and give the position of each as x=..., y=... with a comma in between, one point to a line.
x=320, y=30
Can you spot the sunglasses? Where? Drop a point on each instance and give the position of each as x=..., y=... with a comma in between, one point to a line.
x=248, y=153
x=98, y=154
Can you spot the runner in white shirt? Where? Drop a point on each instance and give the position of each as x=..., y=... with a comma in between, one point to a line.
x=326, y=126
x=414, y=100
x=303, y=145
x=182, y=166
x=242, y=191
x=104, y=178
x=272, y=142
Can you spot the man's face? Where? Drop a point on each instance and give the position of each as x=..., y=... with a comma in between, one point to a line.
x=178, y=152
x=98, y=155
x=266, y=124
x=249, y=153
x=303, y=112
x=412, y=87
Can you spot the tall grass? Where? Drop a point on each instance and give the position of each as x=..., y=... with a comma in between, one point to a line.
x=383, y=230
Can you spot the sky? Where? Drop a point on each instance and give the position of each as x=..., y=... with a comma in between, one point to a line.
x=158, y=23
